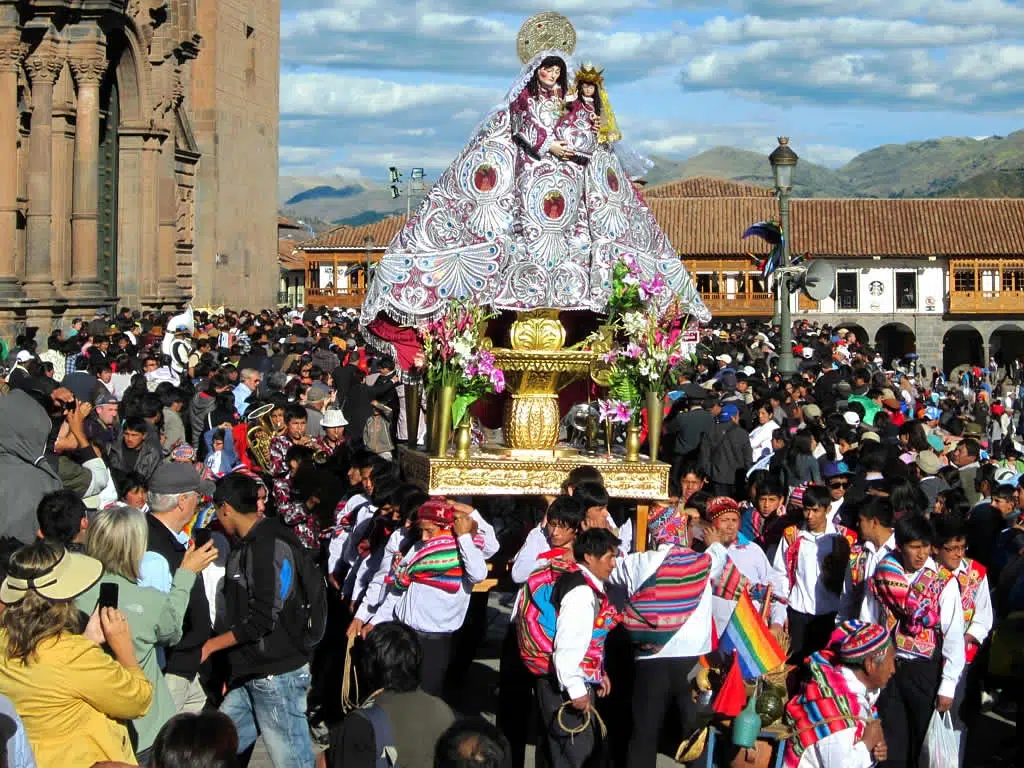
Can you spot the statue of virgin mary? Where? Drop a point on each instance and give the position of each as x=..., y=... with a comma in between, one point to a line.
x=533, y=213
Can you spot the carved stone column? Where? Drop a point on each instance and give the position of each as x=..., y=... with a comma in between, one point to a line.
x=88, y=68
x=43, y=67
x=11, y=54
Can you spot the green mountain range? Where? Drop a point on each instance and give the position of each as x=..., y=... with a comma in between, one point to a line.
x=947, y=167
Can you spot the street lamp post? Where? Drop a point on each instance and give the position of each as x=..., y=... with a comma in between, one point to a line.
x=783, y=161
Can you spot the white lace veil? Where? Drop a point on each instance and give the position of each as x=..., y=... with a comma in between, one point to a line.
x=524, y=77
x=633, y=163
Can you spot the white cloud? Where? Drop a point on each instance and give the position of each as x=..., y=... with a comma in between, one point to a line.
x=325, y=94
x=671, y=145
x=299, y=155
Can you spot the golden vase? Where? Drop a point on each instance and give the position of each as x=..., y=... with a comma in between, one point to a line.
x=412, y=413
x=463, y=439
x=632, y=443
x=655, y=421
x=443, y=413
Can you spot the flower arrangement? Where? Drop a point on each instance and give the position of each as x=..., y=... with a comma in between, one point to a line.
x=648, y=343
x=630, y=291
x=615, y=411
x=455, y=349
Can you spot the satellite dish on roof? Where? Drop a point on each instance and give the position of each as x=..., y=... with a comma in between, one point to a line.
x=817, y=280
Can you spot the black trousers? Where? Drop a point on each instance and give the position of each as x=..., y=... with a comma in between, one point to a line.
x=657, y=684
x=515, y=698
x=808, y=634
x=437, y=654
x=564, y=750
x=905, y=708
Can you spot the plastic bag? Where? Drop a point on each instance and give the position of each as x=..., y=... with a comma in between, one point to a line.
x=941, y=744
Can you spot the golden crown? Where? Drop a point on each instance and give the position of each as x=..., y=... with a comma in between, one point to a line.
x=590, y=74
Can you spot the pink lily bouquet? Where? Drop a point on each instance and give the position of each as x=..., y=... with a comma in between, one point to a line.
x=649, y=343
x=457, y=354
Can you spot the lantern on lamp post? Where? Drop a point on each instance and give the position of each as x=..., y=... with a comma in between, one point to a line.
x=783, y=161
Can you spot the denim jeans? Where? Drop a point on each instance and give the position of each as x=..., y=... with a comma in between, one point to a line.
x=275, y=707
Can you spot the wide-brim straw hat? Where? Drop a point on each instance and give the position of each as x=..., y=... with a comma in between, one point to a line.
x=69, y=577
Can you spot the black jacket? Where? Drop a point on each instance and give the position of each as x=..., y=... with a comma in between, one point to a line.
x=183, y=659
x=263, y=604
x=691, y=429
x=726, y=453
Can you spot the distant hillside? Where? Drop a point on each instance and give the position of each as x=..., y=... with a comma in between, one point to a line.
x=366, y=217
x=945, y=167
x=991, y=184
x=932, y=168
x=324, y=192
x=811, y=180
x=334, y=198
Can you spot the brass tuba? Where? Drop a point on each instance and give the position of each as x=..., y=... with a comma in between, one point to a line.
x=260, y=434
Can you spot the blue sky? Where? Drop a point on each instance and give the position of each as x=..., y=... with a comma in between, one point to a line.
x=370, y=83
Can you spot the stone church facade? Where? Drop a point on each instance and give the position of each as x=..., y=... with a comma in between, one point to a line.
x=125, y=128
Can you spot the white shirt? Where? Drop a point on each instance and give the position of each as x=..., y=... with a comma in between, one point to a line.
x=869, y=610
x=527, y=559
x=376, y=590
x=841, y=749
x=574, y=629
x=761, y=438
x=694, y=637
x=427, y=609
x=752, y=562
x=809, y=594
x=336, y=547
x=833, y=509
x=981, y=622
x=951, y=619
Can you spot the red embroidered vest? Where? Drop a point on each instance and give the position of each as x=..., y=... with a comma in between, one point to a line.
x=970, y=581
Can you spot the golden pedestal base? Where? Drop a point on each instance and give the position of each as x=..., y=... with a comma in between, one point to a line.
x=536, y=368
x=494, y=474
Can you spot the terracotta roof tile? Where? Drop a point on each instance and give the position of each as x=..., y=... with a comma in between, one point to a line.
x=288, y=257
x=345, y=236
x=713, y=226
x=849, y=227
x=706, y=186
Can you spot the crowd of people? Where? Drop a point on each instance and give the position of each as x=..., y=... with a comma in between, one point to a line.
x=207, y=538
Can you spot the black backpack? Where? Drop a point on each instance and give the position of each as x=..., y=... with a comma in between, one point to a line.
x=387, y=754
x=311, y=594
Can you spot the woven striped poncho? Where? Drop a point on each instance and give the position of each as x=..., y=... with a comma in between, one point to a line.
x=668, y=597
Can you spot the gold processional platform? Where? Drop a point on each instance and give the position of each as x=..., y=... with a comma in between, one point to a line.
x=496, y=474
x=531, y=462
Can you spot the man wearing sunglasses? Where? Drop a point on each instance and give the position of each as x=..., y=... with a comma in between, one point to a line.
x=837, y=478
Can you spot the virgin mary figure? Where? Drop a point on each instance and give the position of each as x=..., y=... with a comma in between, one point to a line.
x=511, y=222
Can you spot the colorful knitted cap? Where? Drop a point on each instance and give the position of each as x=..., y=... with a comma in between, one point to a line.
x=438, y=511
x=855, y=641
x=718, y=506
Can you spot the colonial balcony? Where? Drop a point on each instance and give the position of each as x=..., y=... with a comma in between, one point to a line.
x=336, y=279
x=986, y=287
x=732, y=287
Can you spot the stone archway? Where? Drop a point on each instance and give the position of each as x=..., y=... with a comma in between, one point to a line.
x=962, y=344
x=863, y=337
x=1006, y=345
x=129, y=223
x=894, y=340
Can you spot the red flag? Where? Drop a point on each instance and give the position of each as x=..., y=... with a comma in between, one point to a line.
x=733, y=695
